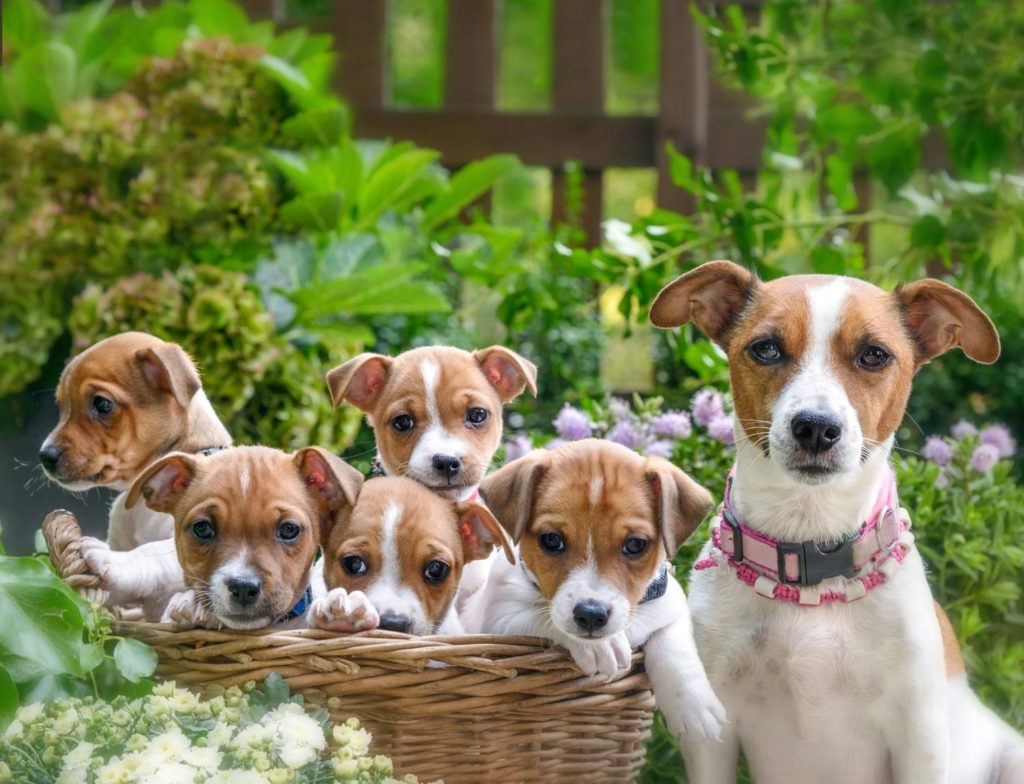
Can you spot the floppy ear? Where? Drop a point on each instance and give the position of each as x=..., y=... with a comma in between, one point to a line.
x=507, y=372
x=710, y=296
x=359, y=380
x=163, y=482
x=679, y=503
x=941, y=317
x=480, y=532
x=509, y=492
x=168, y=369
x=333, y=484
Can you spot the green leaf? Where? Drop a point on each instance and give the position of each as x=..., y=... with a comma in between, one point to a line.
x=316, y=211
x=219, y=17
x=39, y=542
x=317, y=127
x=467, y=185
x=45, y=78
x=8, y=698
x=927, y=232
x=382, y=289
x=134, y=660
x=81, y=26
x=24, y=25
x=293, y=80
x=839, y=181
x=388, y=182
x=296, y=170
x=846, y=123
x=680, y=169
x=90, y=657
x=828, y=261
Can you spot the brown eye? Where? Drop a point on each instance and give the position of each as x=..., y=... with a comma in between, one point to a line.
x=436, y=571
x=873, y=358
x=634, y=546
x=203, y=530
x=403, y=423
x=476, y=415
x=354, y=565
x=102, y=405
x=288, y=531
x=766, y=351
x=552, y=542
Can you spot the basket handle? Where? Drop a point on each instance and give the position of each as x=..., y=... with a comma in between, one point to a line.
x=63, y=537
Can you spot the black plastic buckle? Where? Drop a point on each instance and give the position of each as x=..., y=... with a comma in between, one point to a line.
x=737, y=536
x=816, y=564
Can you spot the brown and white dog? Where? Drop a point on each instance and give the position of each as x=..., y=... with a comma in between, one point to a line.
x=811, y=609
x=394, y=562
x=595, y=525
x=248, y=523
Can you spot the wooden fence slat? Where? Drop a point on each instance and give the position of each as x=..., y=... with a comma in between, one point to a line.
x=470, y=55
x=359, y=28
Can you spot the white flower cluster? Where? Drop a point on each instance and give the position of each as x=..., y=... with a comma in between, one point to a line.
x=173, y=737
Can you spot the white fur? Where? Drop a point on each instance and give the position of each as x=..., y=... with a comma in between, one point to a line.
x=243, y=480
x=388, y=591
x=149, y=574
x=130, y=528
x=436, y=439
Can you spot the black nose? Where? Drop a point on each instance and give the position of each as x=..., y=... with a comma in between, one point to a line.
x=394, y=622
x=816, y=432
x=49, y=456
x=244, y=590
x=447, y=465
x=590, y=616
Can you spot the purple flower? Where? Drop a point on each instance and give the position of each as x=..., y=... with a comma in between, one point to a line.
x=672, y=424
x=721, y=429
x=937, y=450
x=554, y=443
x=660, y=448
x=619, y=409
x=999, y=437
x=572, y=424
x=706, y=405
x=984, y=458
x=962, y=429
x=942, y=479
x=625, y=433
x=517, y=446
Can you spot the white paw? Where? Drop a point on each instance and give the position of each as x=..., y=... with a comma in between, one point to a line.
x=185, y=609
x=694, y=713
x=341, y=611
x=606, y=657
x=98, y=557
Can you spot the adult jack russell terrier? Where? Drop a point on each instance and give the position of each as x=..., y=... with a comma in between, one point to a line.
x=248, y=523
x=811, y=609
x=595, y=524
x=395, y=560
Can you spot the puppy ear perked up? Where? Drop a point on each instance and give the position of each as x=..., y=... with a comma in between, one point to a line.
x=168, y=369
x=359, y=380
x=939, y=317
x=510, y=491
x=480, y=532
x=333, y=484
x=163, y=482
x=711, y=296
x=507, y=372
x=679, y=503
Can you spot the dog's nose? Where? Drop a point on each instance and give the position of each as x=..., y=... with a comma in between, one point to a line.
x=447, y=465
x=394, y=622
x=590, y=616
x=49, y=456
x=816, y=432
x=244, y=590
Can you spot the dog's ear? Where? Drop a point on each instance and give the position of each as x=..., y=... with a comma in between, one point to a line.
x=507, y=372
x=480, y=532
x=940, y=317
x=333, y=484
x=168, y=369
x=510, y=491
x=679, y=503
x=359, y=380
x=163, y=482
x=711, y=296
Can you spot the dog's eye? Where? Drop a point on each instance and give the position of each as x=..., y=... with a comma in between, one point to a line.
x=552, y=542
x=476, y=415
x=102, y=405
x=873, y=358
x=634, y=546
x=436, y=571
x=288, y=531
x=403, y=423
x=766, y=351
x=203, y=529
x=354, y=565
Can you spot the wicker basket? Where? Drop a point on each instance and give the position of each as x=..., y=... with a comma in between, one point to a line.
x=466, y=709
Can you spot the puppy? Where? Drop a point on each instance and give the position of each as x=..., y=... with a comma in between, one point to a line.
x=395, y=560
x=124, y=402
x=435, y=411
x=595, y=525
x=811, y=609
x=248, y=523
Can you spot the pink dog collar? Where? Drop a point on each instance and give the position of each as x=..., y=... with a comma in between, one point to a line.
x=791, y=571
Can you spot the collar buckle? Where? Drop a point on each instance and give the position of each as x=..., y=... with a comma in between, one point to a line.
x=806, y=563
x=734, y=527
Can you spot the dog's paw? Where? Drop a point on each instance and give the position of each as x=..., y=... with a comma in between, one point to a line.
x=605, y=658
x=186, y=610
x=98, y=557
x=341, y=611
x=693, y=713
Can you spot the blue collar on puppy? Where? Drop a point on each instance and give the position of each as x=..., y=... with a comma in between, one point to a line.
x=299, y=609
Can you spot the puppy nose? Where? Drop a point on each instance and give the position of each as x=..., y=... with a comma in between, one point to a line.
x=590, y=616
x=394, y=622
x=447, y=465
x=816, y=432
x=244, y=590
x=49, y=456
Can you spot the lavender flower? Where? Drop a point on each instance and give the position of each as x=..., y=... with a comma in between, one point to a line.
x=937, y=450
x=660, y=448
x=619, y=409
x=984, y=458
x=999, y=437
x=625, y=433
x=942, y=479
x=572, y=424
x=721, y=429
x=672, y=424
x=962, y=429
x=517, y=446
x=706, y=405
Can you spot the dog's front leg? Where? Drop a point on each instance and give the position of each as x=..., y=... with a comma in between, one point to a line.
x=918, y=734
x=712, y=763
x=147, y=572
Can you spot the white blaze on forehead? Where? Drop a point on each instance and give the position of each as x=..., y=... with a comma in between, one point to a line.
x=436, y=440
x=389, y=591
x=431, y=373
x=390, y=568
x=243, y=480
x=596, y=486
x=826, y=306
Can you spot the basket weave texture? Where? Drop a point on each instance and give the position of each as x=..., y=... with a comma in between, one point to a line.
x=468, y=709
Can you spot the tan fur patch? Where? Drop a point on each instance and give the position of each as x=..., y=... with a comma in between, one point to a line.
x=950, y=645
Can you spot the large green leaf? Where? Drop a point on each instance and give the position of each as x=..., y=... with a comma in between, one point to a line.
x=317, y=127
x=296, y=170
x=315, y=211
x=467, y=185
x=134, y=659
x=24, y=24
x=45, y=78
x=387, y=288
x=219, y=17
x=81, y=27
x=389, y=182
x=8, y=698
